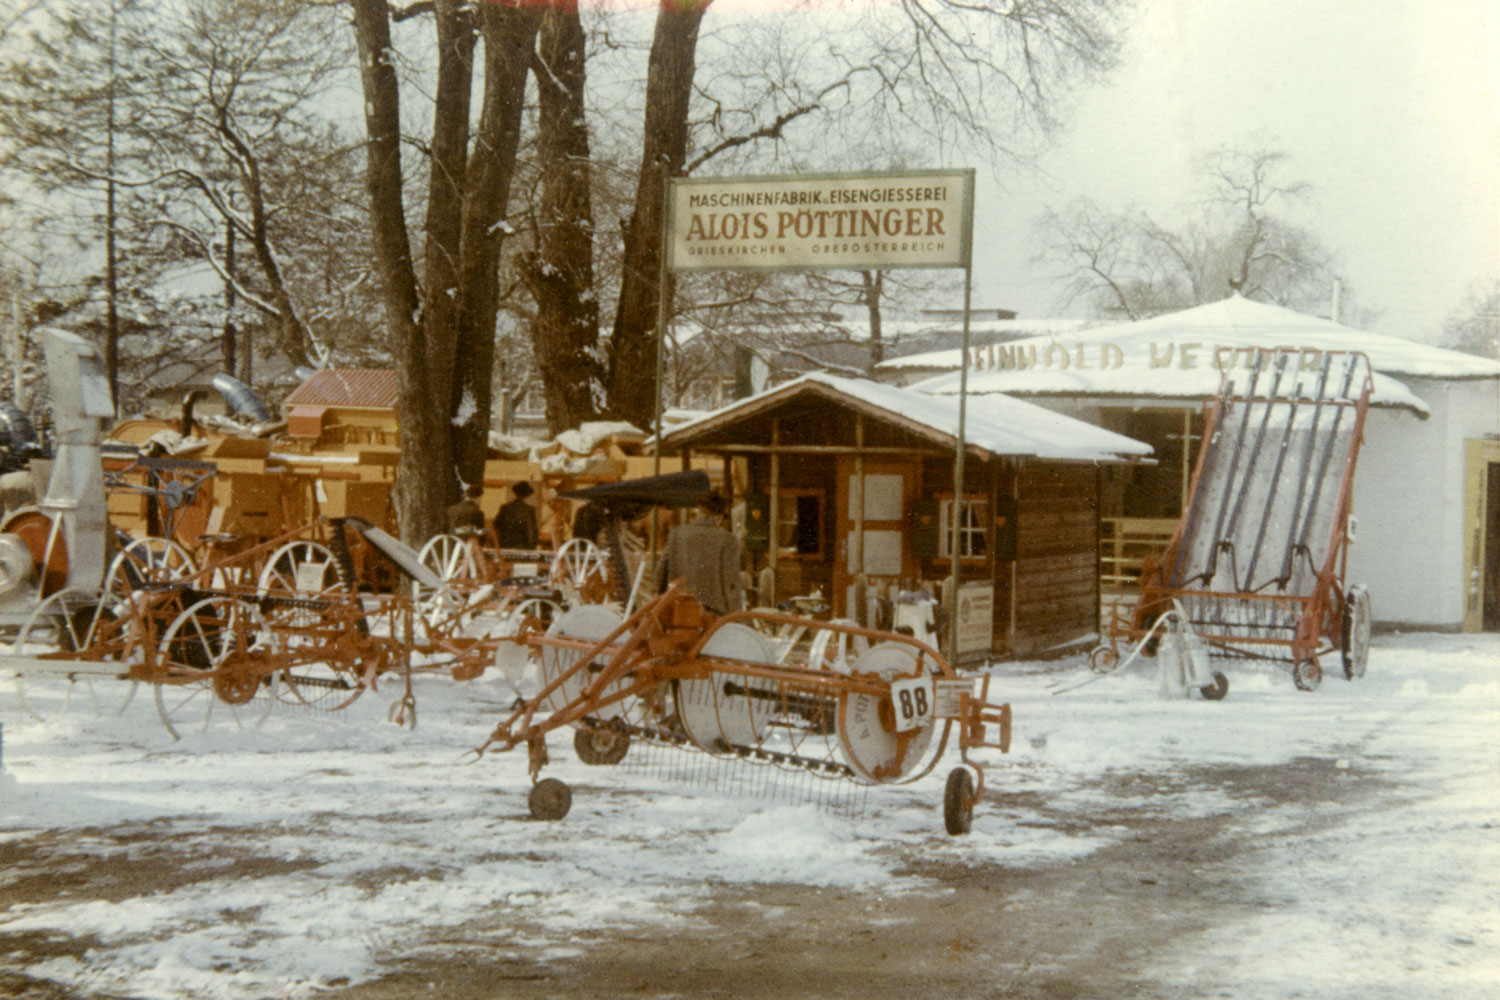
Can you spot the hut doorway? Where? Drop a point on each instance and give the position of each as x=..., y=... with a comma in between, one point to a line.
x=874, y=498
x=1482, y=537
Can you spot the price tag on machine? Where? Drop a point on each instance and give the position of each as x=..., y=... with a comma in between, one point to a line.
x=912, y=699
x=310, y=577
x=945, y=698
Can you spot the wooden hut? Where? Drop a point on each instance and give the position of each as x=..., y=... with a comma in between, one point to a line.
x=849, y=491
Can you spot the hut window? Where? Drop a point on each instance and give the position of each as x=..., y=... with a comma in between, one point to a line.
x=973, y=543
x=799, y=522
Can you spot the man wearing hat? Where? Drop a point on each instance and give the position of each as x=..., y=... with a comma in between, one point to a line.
x=515, y=525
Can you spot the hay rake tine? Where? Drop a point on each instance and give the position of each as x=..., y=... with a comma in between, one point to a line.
x=1219, y=541
x=1300, y=498
x=1322, y=476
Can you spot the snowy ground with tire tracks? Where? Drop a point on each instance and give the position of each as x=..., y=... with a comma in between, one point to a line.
x=304, y=853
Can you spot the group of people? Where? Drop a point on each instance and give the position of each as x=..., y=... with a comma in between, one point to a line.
x=701, y=552
x=515, y=524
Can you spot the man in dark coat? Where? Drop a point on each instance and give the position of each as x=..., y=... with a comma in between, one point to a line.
x=706, y=558
x=466, y=513
x=515, y=525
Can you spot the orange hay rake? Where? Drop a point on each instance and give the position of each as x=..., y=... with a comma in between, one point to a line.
x=671, y=676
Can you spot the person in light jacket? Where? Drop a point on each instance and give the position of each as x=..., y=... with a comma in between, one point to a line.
x=706, y=558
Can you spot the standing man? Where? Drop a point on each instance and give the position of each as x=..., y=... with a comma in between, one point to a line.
x=515, y=525
x=465, y=513
x=706, y=558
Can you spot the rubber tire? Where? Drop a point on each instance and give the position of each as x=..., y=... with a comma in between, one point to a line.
x=1307, y=675
x=549, y=799
x=600, y=746
x=958, y=802
x=1355, y=632
x=1218, y=690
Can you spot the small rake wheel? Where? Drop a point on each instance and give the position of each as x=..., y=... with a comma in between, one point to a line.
x=958, y=802
x=601, y=745
x=1103, y=659
x=549, y=799
x=1307, y=675
x=1218, y=690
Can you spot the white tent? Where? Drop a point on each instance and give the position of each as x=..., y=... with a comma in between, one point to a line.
x=1433, y=425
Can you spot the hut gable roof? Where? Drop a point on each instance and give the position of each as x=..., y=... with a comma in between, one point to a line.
x=996, y=425
x=365, y=388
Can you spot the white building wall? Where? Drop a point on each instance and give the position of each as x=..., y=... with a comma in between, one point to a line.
x=1408, y=497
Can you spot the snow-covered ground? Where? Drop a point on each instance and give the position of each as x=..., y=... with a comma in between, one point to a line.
x=374, y=841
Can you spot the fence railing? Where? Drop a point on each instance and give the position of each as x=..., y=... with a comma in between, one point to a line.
x=1125, y=543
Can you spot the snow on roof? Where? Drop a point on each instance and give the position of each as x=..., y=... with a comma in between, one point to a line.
x=374, y=388
x=1173, y=356
x=1009, y=329
x=996, y=423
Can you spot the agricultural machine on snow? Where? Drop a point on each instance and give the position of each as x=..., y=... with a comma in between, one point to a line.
x=1256, y=568
x=818, y=702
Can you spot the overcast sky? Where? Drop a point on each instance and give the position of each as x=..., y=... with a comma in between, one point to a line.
x=1389, y=108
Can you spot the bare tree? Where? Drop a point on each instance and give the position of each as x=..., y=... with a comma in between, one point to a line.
x=559, y=271
x=1474, y=325
x=424, y=317
x=952, y=72
x=1237, y=238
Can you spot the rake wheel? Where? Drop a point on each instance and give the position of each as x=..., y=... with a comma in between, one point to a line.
x=958, y=802
x=549, y=799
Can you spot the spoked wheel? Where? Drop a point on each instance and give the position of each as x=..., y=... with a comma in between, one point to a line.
x=601, y=745
x=79, y=623
x=305, y=568
x=453, y=561
x=580, y=571
x=144, y=561
x=1356, y=631
x=218, y=651
x=958, y=802
x=549, y=799
x=1307, y=675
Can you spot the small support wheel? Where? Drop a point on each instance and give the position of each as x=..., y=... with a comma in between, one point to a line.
x=1103, y=659
x=601, y=745
x=1307, y=675
x=1217, y=690
x=549, y=799
x=958, y=801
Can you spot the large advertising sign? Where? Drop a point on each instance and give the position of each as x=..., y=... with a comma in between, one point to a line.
x=801, y=222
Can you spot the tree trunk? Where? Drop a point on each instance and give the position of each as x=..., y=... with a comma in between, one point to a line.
x=416, y=480
x=509, y=33
x=874, y=282
x=228, y=346
x=559, y=272
x=669, y=85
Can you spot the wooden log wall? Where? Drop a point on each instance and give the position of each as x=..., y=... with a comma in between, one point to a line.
x=1057, y=556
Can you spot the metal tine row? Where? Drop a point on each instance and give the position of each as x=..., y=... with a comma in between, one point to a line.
x=727, y=775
